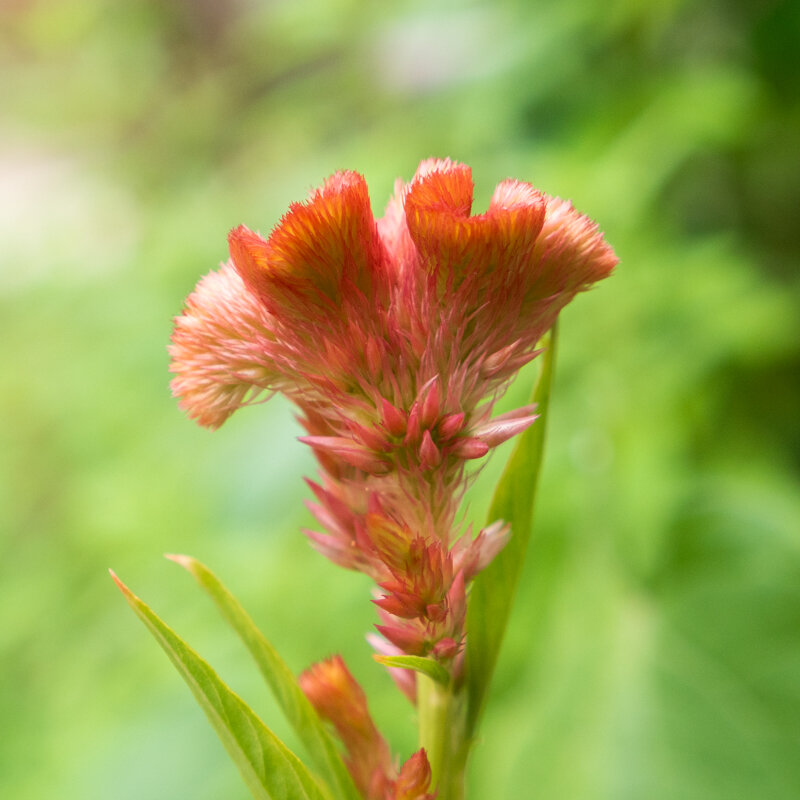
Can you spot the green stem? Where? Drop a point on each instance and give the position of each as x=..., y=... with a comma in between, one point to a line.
x=441, y=733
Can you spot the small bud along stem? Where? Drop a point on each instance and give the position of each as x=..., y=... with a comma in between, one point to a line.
x=442, y=734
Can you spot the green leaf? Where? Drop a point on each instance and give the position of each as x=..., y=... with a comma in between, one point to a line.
x=269, y=768
x=493, y=592
x=427, y=666
x=322, y=748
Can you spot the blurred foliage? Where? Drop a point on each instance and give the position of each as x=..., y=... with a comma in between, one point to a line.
x=655, y=649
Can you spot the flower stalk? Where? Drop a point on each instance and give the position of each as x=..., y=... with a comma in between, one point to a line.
x=442, y=734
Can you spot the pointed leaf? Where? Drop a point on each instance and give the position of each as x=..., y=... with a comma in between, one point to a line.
x=493, y=591
x=427, y=666
x=322, y=748
x=269, y=768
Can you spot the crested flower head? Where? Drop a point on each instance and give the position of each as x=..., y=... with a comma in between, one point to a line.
x=394, y=338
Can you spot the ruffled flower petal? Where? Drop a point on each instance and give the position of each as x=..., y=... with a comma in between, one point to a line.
x=489, y=249
x=221, y=348
x=320, y=250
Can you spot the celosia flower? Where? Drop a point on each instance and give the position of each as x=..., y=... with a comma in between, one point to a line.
x=394, y=338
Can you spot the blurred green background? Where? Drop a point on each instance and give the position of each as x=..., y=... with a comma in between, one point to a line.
x=655, y=649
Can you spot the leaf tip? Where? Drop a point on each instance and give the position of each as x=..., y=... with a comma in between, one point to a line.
x=120, y=585
x=187, y=562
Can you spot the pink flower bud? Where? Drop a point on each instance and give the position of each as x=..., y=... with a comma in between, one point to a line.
x=429, y=454
x=473, y=557
x=495, y=362
x=446, y=648
x=429, y=411
x=405, y=638
x=499, y=430
x=451, y=425
x=414, y=779
x=413, y=426
x=394, y=420
x=469, y=447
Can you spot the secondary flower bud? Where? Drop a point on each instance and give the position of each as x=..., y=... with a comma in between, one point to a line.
x=337, y=697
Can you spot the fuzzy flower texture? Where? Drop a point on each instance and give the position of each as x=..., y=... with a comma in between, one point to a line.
x=394, y=338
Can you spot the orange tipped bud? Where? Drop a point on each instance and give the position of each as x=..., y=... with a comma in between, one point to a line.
x=336, y=697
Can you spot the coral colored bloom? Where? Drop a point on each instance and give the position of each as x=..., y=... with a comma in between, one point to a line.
x=394, y=338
